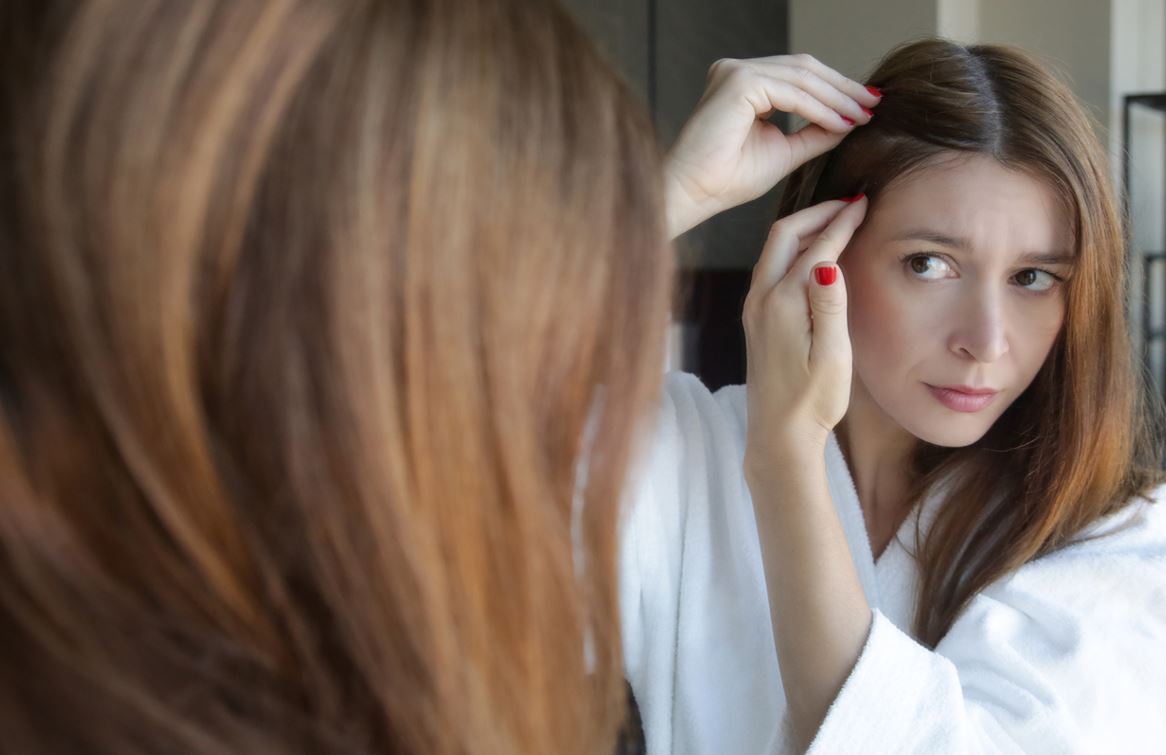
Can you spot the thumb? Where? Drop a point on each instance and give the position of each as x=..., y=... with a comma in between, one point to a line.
x=809, y=142
x=830, y=344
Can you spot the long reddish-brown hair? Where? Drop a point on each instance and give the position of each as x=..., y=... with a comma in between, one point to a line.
x=311, y=315
x=1080, y=443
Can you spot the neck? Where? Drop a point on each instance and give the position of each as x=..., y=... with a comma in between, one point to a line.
x=878, y=453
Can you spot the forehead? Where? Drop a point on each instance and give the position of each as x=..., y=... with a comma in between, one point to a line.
x=997, y=209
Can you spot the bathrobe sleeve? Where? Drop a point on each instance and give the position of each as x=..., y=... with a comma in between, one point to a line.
x=1066, y=655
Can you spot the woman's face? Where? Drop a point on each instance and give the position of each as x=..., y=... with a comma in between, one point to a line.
x=955, y=281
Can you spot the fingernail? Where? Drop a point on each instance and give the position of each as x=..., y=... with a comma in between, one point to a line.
x=867, y=110
x=849, y=121
x=875, y=91
x=855, y=198
x=826, y=275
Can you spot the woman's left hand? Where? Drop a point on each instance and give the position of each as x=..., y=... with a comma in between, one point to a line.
x=728, y=153
x=798, y=344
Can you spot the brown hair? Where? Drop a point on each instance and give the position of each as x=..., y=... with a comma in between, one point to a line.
x=1079, y=443
x=310, y=313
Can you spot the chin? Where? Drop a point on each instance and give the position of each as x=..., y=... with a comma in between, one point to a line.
x=949, y=429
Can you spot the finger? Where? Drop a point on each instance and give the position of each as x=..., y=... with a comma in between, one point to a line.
x=830, y=340
x=822, y=90
x=809, y=142
x=764, y=94
x=832, y=240
x=851, y=87
x=787, y=238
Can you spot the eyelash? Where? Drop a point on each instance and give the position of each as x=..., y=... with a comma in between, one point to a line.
x=1057, y=279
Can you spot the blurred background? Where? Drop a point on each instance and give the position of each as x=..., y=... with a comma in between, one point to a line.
x=1111, y=52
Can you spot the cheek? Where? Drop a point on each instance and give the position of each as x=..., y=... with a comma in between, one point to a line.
x=1038, y=328
x=884, y=326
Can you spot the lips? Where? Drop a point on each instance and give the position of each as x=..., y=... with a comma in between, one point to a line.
x=962, y=398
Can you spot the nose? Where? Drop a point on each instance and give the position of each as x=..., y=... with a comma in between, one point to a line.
x=981, y=334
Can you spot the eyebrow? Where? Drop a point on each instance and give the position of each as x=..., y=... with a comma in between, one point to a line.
x=935, y=237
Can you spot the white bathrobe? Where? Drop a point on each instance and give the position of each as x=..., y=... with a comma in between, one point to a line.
x=1067, y=654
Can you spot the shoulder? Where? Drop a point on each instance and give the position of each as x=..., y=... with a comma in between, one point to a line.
x=694, y=442
x=1130, y=541
x=1115, y=567
x=686, y=399
x=695, y=432
x=1082, y=628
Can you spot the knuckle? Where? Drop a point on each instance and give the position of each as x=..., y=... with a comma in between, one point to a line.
x=773, y=305
x=830, y=306
x=805, y=59
x=721, y=66
x=737, y=74
x=749, y=309
x=783, y=236
x=754, y=311
x=830, y=237
x=783, y=229
x=755, y=308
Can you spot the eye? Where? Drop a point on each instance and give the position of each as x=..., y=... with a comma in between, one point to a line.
x=928, y=266
x=1036, y=280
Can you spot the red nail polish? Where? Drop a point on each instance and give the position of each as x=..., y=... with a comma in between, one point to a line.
x=867, y=110
x=848, y=120
x=855, y=198
x=826, y=275
x=875, y=91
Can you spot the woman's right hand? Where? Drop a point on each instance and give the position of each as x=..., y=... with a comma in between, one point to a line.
x=727, y=153
x=797, y=339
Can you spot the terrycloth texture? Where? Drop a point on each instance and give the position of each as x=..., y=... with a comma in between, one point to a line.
x=1067, y=654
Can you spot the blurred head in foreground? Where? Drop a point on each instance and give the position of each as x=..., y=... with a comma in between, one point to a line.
x=310, y=311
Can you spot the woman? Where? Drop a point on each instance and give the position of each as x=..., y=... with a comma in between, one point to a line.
x=305, y=316
x=930, y=499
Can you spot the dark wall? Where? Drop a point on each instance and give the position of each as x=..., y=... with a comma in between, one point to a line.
x=664, y=49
